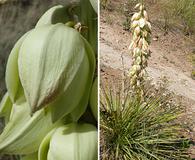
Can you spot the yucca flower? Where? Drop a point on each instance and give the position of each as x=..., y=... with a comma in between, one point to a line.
x=139, y=47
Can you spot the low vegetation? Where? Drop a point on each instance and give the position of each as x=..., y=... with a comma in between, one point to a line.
x=133, y=129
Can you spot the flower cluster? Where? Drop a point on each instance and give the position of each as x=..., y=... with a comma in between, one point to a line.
x=139, y=47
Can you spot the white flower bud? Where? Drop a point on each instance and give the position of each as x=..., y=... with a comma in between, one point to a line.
x=134, y=24
x=137, y=5
x=142, y=22
x=137, y=30
x=141, y=8
x=145, y=15
x=136, y=16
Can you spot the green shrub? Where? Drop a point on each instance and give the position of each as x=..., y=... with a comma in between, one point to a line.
x=137, y=130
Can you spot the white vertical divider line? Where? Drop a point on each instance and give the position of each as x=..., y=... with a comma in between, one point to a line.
x=98, y=63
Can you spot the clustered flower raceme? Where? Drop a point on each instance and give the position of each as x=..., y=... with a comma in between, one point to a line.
x=141, y=30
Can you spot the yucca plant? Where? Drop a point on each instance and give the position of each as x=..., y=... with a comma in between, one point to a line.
x=49, y=77
x=135, y=130
x=137, y=122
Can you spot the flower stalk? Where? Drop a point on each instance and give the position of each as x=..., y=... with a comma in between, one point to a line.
x=139, y=48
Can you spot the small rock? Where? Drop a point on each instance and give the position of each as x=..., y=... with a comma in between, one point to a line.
x=155, y=38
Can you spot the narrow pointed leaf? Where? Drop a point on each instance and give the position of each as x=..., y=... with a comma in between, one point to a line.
x=89, y=18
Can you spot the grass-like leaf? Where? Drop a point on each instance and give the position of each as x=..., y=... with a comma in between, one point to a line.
x=140, y=130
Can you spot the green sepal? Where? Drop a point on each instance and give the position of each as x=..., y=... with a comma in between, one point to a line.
x=23, y=133
x=5, y=107
x=81, y=106
x=56, y=14
x=44, y=146
x=12, y=79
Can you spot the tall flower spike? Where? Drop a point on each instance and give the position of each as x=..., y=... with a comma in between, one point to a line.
x=141, y=31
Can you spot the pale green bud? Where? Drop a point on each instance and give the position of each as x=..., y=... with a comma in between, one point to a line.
x=133, y=70
x=138, y=67
x=71, y=142
x=145, y=44
x=43, y=57
x=132, y=45
x=135, y=37
x=138, y=60
x=137, y=51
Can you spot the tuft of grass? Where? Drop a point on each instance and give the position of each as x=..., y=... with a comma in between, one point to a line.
x=137, y=130
x=104, y=3
x=109, y=19
x=180, y=11
x=193, y=74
